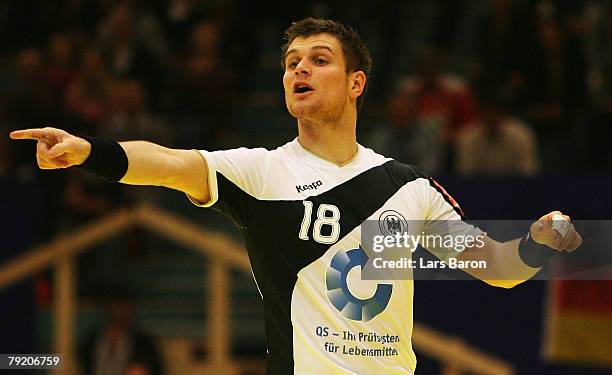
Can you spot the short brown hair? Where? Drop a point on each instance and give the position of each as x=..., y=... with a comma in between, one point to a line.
x=356, y=53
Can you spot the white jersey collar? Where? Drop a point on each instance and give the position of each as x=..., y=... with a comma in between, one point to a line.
x=312, y=158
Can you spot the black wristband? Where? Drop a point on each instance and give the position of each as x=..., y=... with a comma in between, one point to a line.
x=107, y=159
x=534, y=254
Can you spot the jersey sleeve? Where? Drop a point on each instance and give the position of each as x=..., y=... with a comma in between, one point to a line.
x=234, y=177
x=445, y=220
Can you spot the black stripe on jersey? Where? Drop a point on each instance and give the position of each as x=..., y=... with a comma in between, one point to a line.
x=277, y=254
x=231, y=201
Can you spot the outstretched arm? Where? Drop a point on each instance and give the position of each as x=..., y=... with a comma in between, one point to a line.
x=148, y=163
x=505, y=265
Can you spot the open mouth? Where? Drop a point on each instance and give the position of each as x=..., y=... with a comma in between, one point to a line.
x=302, y=88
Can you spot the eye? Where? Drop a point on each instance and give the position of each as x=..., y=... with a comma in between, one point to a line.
x=320, y=61
x=292, y=64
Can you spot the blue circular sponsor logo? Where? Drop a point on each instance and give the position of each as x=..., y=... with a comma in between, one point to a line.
x=341, y=297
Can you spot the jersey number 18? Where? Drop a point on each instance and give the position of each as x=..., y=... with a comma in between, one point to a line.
x=327, y=215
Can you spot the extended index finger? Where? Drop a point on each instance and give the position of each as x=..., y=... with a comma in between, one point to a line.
x=36, y=134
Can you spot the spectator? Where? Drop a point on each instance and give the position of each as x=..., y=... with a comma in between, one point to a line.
x=118, y=347
x=30, y=100
x=87, y=97
x=499, y=145
x=131, y=117
x=132, y=44
x=555, y=73
x=203, y=88
x=60, y=69
x=501, y=35
x=181, y=16
x=555, y=81
x=428, y=112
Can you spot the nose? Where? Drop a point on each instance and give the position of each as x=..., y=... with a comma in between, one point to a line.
x=302, y=68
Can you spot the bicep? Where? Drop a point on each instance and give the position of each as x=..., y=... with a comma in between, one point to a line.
x=191, y=175
x=152, y=164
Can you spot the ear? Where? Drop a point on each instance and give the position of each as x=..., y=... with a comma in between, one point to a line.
x=357, y=81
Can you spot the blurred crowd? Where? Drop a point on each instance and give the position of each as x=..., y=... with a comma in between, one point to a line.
x=492, y=86
x=468, y=87
x=535, y=94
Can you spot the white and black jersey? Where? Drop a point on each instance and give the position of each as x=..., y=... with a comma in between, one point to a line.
x=301, y=218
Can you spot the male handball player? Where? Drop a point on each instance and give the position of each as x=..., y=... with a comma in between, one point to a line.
x=301, y=207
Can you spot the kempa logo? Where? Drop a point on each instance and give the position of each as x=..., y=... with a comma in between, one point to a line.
x=312, y=186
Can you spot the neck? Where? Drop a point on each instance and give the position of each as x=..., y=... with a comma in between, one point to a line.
x=335, y=142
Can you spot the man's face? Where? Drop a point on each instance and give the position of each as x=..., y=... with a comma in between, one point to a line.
x=316, y=82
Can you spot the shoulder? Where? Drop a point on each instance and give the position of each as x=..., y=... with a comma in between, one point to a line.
x=400, y=173
x=242, y=159
x=255, y=154
x=238, y=153
x=405, y=172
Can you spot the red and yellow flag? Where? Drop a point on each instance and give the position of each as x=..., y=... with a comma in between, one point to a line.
x=579, y=322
